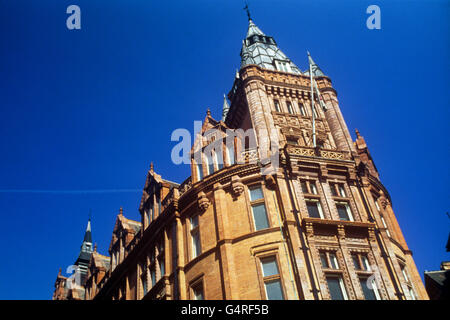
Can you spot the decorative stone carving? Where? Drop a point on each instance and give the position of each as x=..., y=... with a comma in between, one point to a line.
x=237, y=186
x=384, y=202
x=203, y=201
x=270, y=181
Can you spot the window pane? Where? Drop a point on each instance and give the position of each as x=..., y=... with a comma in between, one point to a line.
x=219, y=158
x=302, y=109
x=161, y=267
x=356, y=262
x=269, y=266
x=231, y=154
x=335, y=289
x=198, y=292
x=196, y=245
x=313, y=210
x=342, y=210
x=369, y=294
x=304, y=187
x=260, y=217
x=323, y=259
x=273, y=290
x=289, y=106
x=153, y=276
x=333, y=261
x=365, y=263
x=209, y=163
x=256, y=193
x=199, y=172
x=333, y=189
x=194, y=222
x=277, y=105
x=312, y=186
x=342, y=190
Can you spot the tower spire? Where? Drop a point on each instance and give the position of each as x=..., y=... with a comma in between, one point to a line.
x=262, y=50
x=316, y=71
x=88, y=233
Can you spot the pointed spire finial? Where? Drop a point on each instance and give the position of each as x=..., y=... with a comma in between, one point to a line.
x=95, y=247
x=208, y=112
x=226, y=107
x=121, y=211
x=151, y=166
x=248, y=11
x=357, y=133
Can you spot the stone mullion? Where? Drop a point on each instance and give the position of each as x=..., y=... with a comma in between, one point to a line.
x=306, y=247
x=319, y=276
x=293, y=236
x=166, y=259
x=329, y=201
x=389, y=291
x=181, y=258
x=391, y=260
x=350, y=278
x=357, y=199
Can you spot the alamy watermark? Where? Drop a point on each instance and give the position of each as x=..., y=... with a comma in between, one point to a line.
x=374, y=20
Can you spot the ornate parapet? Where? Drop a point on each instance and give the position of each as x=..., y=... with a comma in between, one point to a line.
x=322, y=153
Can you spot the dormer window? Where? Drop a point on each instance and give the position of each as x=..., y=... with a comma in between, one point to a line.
x=282, y=66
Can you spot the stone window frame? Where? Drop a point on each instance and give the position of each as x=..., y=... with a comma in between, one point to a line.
x=161, y=256
x=406, y=277
x=348, y=199
x=199, y=280
x=276, y=102
x=347, y=208
x=329, y=266
x=152, y=262
x=250, y=204
x=190, y=232
x=342, y=272
x=261, y=255
x=292, y=108
x=365, y=273
x=143, y=279
x=303, y=113
x=316, y=197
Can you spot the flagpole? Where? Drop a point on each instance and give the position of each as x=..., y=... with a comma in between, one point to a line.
x=312, y=106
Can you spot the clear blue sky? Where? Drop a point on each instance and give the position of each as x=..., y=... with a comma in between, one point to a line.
x=89, y=109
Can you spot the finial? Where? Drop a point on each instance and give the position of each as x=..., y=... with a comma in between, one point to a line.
x=95, y=247
x=357, y=133
x=59, y=273
x=208, y=112
x=90, y=214
x=248, y=11
x=151, y=166
x=121, y=211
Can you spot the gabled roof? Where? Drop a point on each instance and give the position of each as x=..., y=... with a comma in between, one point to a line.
x=123, y=223
x=152, y=178
x=262, y=50
x=100, y=261
x=208, y=124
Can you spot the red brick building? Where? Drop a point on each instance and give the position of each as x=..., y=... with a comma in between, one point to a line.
x=284, y=218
